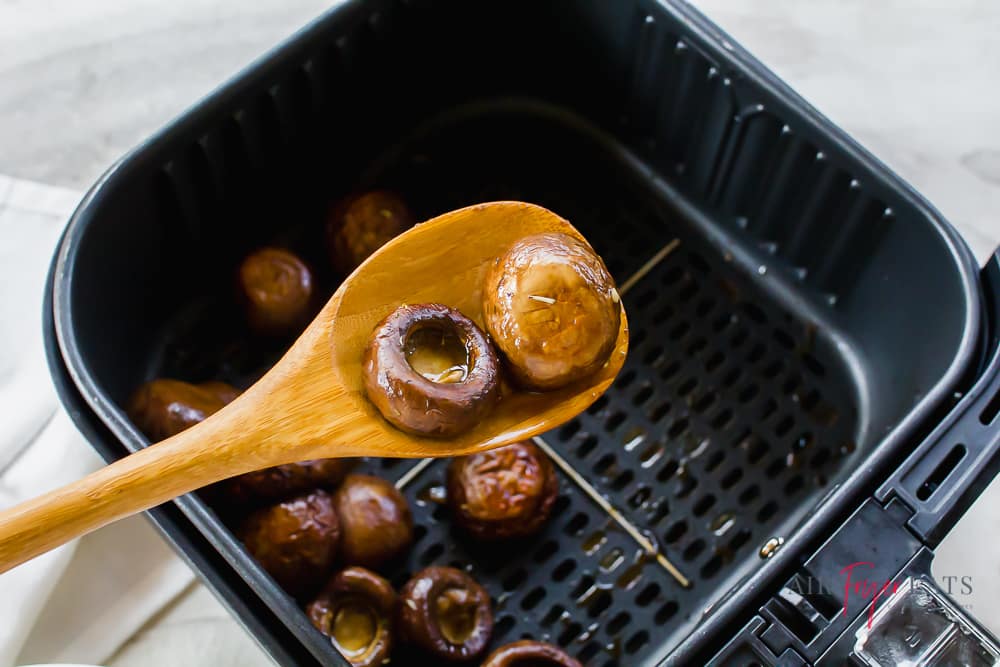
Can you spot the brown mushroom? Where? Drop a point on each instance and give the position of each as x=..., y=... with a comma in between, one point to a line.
x=552, y=309
x=502, y=493
x=284, y=481
x=431, y=371
x=164, y=407
x=446, y=613
x=358, y=225
x=277, y=291
x=375, y=521
x=528, y=653
x=295, y=541
x=355, y=611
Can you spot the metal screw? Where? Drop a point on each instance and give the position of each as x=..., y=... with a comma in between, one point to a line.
x=771, y=547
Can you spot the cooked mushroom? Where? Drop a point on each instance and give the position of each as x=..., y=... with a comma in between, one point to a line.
x=359, y=225
x=162, y=408
x=295, y=541
x=375, y=521
x=284, y=481
x=431, y=371
x=502, y=493
x=444, y=612
x=528, y=653
x=552, y=309
x=277, y=291
x=355, y=611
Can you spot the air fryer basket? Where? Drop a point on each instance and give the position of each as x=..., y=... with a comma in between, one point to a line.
x=772, y=272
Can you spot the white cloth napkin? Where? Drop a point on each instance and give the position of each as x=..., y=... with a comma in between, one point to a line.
x=81, y=602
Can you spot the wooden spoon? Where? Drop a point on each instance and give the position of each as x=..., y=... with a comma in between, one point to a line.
x=311, y=404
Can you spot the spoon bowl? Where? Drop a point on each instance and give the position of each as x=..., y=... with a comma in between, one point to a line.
x=312, y=403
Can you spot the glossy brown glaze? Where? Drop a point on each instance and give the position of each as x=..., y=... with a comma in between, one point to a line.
x=277, y=290
x=446, y=613
x=163, y=407
x=552, y=309
x=284, y=481
x=456, y=399
x=356, y=611
x=359, y=225
x=502, y=493
x=528, y=653
x=375, y=519
x=295, y=541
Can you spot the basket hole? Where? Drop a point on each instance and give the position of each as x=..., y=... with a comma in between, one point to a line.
x=599, y=604
x=784, y=339
x=703, y=505
x=754, y=312
x=582, y=586
x=711, y=567
x=777, y=465
x=687, y=387
x=814, y=365
x=714, y=461
x=561, y=505
x=732, y=377
x=705, y=306
x=419, y=533
x=625, y=379
x=647, y=594
x=616, y=624
x=604, y=463
x=670, y=370
x=722, y=419
x=660, y=411
x=597, y=405
x=714, y=361
x=693, y=550
x=773, y=369
x=794, y=485
x=569, y=430
x=705, y=402
x=588, y=652
x=514, y=579
x=636, y=641
x=652, y=355
x=503, y=626
x=678, y=427
x=791, y=384
x=546, y=551
x=553, y=614
x=768, y=409
x=660, y=511
x=697, y=346
x=821, y=457
x=722, y=321
x=688, y=291
x=668, y=470
x=663, y=314
x=756, y=353
x=639, y=497
x=642, y=395
x=586, y=446
x=730, y=479
x=757, y=451
x=941, y=472
x=687, y=485
x=699, y=263
x=739, y=539
x=767, y=512
x=671, y=276
x=571, y=632
x=563, y=570
x=750, y=494
x=577, y=524
x=622, y=480
x=666, y=612
x=645, y=298
x=784, y=427
x=679, y=331
x=651, y=454
x=614, y=421
x=749, y=393
x=532, y=599
x=675, y=532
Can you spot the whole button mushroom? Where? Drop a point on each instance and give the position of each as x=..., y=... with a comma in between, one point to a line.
x=295, y=541
x=280, y=482
x=359, y=225
x=375, y=520
x=528, y=653
x=503, y=493
x=355, y=610
x=445, y=613
x=277, y=290
x=552, y=309
x=431, y=371
x=162, y=408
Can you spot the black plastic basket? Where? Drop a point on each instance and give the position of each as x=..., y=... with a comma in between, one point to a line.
x=800, y=317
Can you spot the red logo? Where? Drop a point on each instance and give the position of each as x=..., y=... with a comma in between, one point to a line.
x=864, y=588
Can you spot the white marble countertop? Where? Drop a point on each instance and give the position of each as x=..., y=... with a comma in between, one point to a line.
x=914, y=80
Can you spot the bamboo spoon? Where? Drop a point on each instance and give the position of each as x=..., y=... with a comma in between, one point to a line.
x=311, y=404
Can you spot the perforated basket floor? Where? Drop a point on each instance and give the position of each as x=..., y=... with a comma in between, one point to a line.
x=721, y=431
